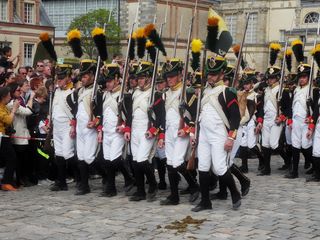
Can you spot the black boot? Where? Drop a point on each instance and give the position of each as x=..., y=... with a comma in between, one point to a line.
x=140, y=194
x=285, y=158
x=109, y=189
x=267, y=158
x=307, y=153
x=213, y=181
x=60, y=184
x=244, y=181
x=192, y=182
x=173, y=198
x=129, y=181
x=257, y=152
x=74, y=167
x=244, y=153
x=316, y=166
x=222, y=194
x=205, y=203
x=295, y=164
x=235, y=194
x=153, y=186
x=161, y=164
x=84, y=178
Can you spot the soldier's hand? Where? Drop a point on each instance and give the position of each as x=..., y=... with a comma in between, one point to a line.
x=91, y=124
x=127, y=136
x=100, y=136
x=149, y=135
x=309, y=134
x=228, y=145
x=258, y=128
x=161, y=143
x=182, y=133
x=72, y=132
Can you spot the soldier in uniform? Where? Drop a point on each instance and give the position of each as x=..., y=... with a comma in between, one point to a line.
x=219, y=121
x=82, y=126
x=271, y=118
x=176, y=138
x=113, y=141
x=64, y=145
x=142, y=135
x=302, y=120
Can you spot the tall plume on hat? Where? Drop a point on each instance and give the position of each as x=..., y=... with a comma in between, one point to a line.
x=141, y=42
x=213, y=30
x=196, y=46
x=132, y=46
x=297, y=48
x=151, y=50
x=236, y=50
x=274, y=51
x=151, y=33
x=316, y=54
x=99, y=38
x=47, y=44
x=288, y=57
x=73, y=38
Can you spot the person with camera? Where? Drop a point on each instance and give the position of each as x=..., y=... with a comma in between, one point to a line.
x=7, y=152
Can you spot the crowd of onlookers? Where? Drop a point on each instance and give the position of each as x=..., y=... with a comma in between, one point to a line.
x=24, y=107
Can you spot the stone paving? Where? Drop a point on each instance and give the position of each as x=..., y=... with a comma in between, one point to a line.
x=275, y=208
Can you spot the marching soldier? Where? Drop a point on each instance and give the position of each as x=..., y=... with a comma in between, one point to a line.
x=142, y=138
x=82, y=126
x=113, y=141
x=64, y=145
x=176, y=140
x=269, y=121
x=302, y=120
x=219, y=121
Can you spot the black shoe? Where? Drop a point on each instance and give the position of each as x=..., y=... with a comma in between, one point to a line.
x=108, y=194
x=162, y=185
x=264, y=173
x=128, y=186
x=291, y=175
x=137, y=197
x=243, y=169
x=245, y=188
x=151, y=197
x=313, y=179
x=284, y=167
x=309, y=171
x=219, y=196
x=82, y=191
x=201, y=206
x=236, y=205
x=194, y=196
x=58, y=187
x=169, y=201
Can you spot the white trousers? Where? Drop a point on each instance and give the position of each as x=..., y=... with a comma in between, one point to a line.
x=316, y=141
x=271, y=133
x=140, y=146
x=288, y=133
x=63, y=144
x=113, y=144
x=249, y=138
x=211, y=151
x=176, y=147
x=299, y=133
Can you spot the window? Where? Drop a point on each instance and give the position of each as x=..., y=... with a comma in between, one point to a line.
x=251, y=36
x=312, y=17
x=28, y=53
x=231, y=21
x=28, y=16
x=3, y=10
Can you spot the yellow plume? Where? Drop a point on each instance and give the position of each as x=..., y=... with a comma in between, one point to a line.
x=140, y=33
x=149, y=44
x=296, y=42
x=44, y=36
x=196, y=45
x=74, y=33
x=289, y=52
x=97, y=31
x=275, y=46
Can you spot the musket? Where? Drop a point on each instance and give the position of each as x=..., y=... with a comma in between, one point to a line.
x=192, y=159
x=154, y=74
x=237, y=69
x=309, y=107
x=95, y=83
x=183, y=100
x=125, y=71
x=176, y=38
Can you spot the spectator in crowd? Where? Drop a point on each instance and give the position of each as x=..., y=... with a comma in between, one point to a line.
x=7, y=152
x=35, y=83
x=22, y=72
x=9, y=78
x=25, y=92
x=39, y=68
x=6, y=60
x=29, y=72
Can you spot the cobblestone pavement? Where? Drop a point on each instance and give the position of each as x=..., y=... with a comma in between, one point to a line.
x=275, y=208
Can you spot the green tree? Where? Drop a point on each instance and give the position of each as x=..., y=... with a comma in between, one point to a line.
x=87, y=22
